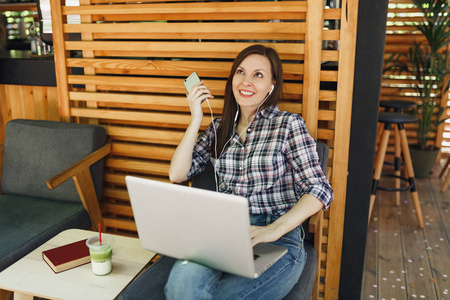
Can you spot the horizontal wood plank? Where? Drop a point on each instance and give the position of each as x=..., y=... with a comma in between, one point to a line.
x=326, y=134
x=117, y=209
x=204, y=50
x=195, y=11
x=149, y=102
x=158, y=119
x=327, y=95
x=187, y=31
x=157, y=85
x=169, y=67
x=156, y=152
x=118, y=194
x=156, y=136
x=120, y=224
x=327, y=115
x=119, y=179
x=138, y=166
x=291, y=71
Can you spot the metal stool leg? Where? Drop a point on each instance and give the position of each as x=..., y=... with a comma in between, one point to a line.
x=408, y=163
x=379, y=161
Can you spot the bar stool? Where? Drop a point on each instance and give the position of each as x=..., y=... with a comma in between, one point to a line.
x=398, y=120
x=396, y=106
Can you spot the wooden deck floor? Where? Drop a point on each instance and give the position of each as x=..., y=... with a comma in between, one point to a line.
x=403, y=261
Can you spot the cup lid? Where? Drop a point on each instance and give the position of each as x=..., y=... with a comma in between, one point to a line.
x=94, y=241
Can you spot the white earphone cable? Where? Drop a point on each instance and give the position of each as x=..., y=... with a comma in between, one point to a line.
x=215, y=144
x=215, y=133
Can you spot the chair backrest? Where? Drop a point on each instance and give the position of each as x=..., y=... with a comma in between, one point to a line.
x=35, y=151
x=322, y=151
x=206, y=179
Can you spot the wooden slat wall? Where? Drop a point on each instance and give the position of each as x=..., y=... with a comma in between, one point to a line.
x=27, y=102
x=135, y=57
x=400, y=35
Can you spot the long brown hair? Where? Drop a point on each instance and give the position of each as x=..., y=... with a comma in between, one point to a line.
x=230, y=106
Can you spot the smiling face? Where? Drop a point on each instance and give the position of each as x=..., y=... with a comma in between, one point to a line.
x=252, y=81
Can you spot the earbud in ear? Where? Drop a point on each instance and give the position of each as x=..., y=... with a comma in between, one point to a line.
x=237, y=113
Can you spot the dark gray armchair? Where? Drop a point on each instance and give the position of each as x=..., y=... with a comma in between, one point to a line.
x=37, y=200
x=150, y=285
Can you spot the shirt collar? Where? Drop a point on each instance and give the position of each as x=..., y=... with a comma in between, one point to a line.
x=269, y=112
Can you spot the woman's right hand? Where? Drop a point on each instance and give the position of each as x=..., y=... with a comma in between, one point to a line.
x=197, y=95
x=182, y=157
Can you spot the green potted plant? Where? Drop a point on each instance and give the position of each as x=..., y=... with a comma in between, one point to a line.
x=427, y=64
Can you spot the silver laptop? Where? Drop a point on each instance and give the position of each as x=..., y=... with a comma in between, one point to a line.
x=209, y=228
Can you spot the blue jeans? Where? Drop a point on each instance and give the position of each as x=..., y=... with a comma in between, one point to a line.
x=189, y=280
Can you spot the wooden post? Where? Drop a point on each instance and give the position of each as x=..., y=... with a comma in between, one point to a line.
x=313, y=59
x=59, y=49
x=349, y=18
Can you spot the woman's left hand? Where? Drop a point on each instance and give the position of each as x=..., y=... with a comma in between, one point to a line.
x=303, y=209
x=264, y=234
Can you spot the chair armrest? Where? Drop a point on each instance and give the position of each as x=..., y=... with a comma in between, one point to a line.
x=78, y=167
x=85, y=186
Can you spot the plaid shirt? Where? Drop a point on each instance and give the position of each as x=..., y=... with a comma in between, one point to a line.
x=277, y=164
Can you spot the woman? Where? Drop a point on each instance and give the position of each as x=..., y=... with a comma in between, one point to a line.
x=264, y=155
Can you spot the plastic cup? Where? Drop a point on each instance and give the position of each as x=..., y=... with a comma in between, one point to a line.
x=101, y=254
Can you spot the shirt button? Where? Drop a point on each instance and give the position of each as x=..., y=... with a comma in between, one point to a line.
x=241, y=168
x=238, y=184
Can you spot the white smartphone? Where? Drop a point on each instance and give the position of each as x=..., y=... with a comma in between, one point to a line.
x=192, y=80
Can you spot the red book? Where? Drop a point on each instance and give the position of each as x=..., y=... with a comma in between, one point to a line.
x=67, y=257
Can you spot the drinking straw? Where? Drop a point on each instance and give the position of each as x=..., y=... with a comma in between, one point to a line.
x=100, y=232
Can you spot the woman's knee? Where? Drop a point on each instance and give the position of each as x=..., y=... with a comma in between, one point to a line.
x=189, y=280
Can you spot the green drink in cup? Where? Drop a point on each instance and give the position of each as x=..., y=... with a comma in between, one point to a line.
x=101, y=253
